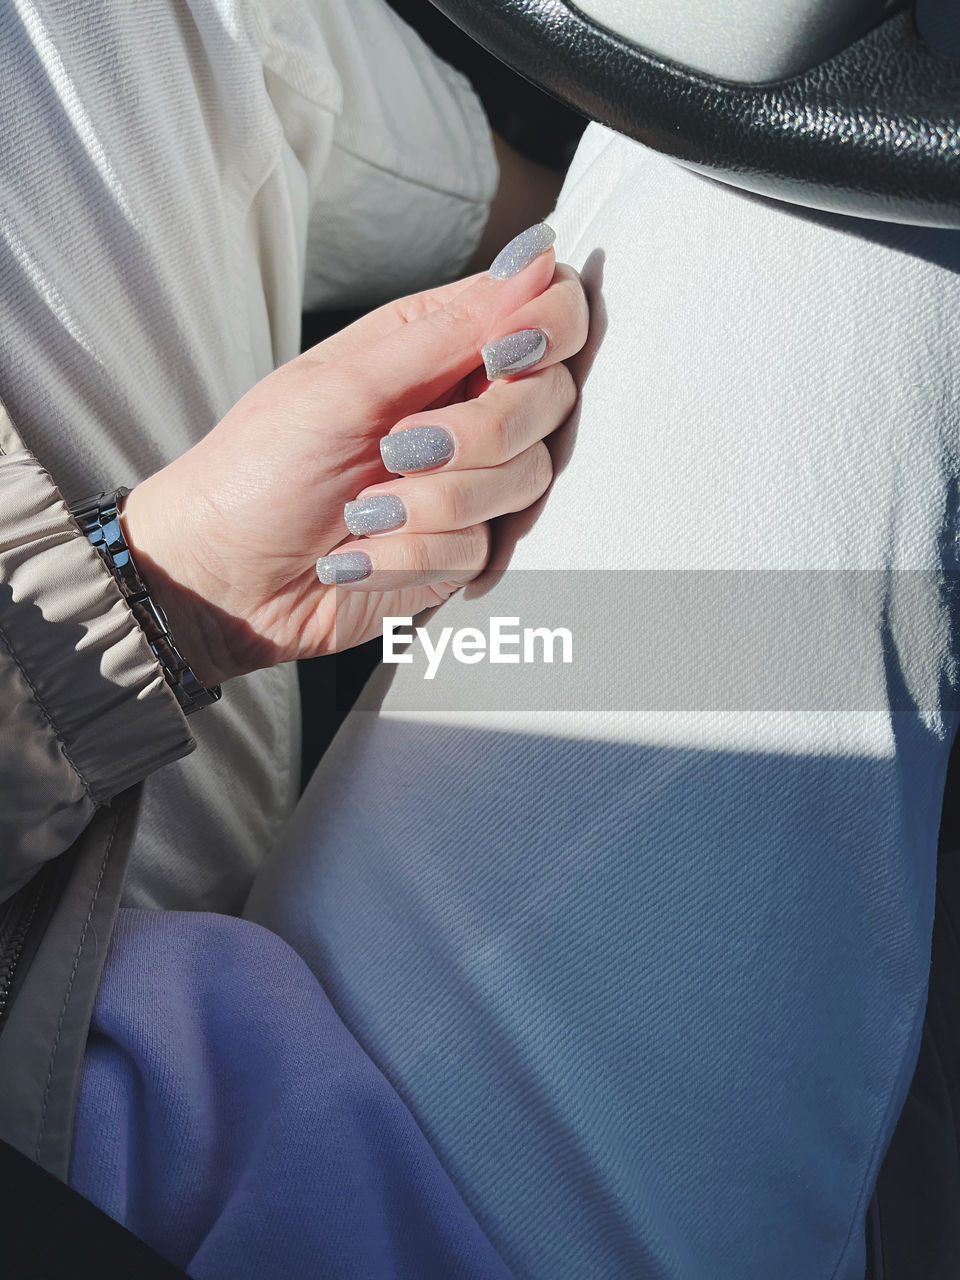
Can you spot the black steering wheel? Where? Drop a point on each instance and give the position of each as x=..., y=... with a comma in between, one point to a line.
x=872, y=131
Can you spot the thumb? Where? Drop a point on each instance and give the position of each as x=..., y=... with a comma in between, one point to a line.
x=417, y=359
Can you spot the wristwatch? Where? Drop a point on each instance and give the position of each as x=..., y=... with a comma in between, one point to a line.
x=99, y=521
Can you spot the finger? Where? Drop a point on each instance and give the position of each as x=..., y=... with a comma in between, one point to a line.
x=417, y=361
x=518, y=254
x=499, y=424
x=452, y=499
x=377, y=324
x=407, y=560
x=544, y=331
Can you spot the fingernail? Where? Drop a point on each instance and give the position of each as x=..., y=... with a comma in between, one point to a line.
x=522, y=250
x=374, y=514
x=348, y=566
x=513, y=353
x=416, y=448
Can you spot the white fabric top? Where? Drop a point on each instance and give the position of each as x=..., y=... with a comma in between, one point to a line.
x=176, y=180
x=650, y=967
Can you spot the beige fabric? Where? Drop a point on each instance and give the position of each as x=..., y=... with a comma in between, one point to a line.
x=177, y=179
x=84, y=709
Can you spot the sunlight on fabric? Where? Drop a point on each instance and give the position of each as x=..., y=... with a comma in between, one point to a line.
x=77, y=114
x=45, y=287
x=864, y=734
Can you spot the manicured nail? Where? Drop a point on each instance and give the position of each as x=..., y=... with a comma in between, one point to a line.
x=512, y=353
x=416, y=448
x=522, y=250
x=348, y=566
x=374, y=514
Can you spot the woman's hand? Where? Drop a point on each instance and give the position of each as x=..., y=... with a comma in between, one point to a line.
x=228, y=536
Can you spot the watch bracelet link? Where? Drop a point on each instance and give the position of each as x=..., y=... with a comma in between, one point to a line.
x=99, y=521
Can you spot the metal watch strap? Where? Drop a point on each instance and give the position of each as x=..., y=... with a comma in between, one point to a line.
x=99, y=520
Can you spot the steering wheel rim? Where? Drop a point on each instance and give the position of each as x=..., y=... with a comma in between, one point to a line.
x=873, y=131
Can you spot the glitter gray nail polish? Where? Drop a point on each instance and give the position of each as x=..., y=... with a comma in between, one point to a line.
x=348, y=566
x=416, y=448
x=522, y=250
x=374, y=514
x=513, y=353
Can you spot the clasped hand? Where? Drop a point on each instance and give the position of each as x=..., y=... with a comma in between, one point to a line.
x=244, y=539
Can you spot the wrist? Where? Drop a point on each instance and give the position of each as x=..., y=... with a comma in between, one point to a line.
x=164, y=572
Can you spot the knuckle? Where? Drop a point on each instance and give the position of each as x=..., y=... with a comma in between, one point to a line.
x=414, y=556
x=572, y=280
x=501, y=436
x=411, y=308
x=462, y=309
x=564, y=387
x=494, y=424
x=448, y=504
x=475, y=544
x=575, y=314
x=447, y=320
x=576, y=309
x=539, y=468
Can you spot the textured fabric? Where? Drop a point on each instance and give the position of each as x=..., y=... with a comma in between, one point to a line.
x=84, y=708
x=652, y=981
x=175, y=180
x=228, y=1118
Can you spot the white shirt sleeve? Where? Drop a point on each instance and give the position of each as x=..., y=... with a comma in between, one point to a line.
x=399, y=161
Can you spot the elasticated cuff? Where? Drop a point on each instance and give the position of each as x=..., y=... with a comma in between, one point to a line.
x=78, y=648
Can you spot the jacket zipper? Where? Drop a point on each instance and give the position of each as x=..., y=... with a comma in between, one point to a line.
x=15, y=924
